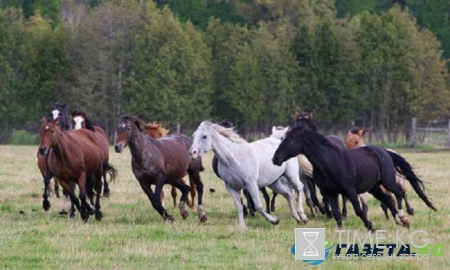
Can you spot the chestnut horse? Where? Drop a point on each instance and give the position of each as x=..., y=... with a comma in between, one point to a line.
x=58, y=113
x=354, y=140
x=158, y=162
x=79, y=121
x=155, y=130
x=75, y=157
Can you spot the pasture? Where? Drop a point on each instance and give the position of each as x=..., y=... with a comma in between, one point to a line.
x=132, y=235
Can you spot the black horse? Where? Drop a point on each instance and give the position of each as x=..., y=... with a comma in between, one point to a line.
x=351, y=172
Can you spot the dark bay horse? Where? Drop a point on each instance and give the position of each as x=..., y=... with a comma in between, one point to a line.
x=74, y=157
x=158, y=162
x=351, y=172
x=354, y=139
x=156, y=130
x=79, y=121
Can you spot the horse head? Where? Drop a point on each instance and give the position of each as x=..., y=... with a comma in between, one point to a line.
x=78, y=119
x=58, y=112
x=305, y=118
x=202, y=141
x=48, y=135
x=355, y=136
x=291, y=145
x=127, y=129
x=279, y=132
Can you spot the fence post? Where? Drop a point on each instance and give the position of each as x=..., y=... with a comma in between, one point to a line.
x=448, y=134
x=414, y=132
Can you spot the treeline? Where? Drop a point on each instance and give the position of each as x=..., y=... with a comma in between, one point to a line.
x=255, y=63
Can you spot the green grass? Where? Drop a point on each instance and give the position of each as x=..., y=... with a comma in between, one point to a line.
x=133, y=236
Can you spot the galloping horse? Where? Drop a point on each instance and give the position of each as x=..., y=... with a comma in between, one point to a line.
x=158, y=162
x=79, y=121
x=247, y=165
x=75, y=157
x=58, y=113
x=353, y=140
x=351, y=172
x=155, y=130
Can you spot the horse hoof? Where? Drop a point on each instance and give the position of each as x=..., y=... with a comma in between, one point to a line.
x=106, y=193
x=98, y=216
x=63, y=212
x=373, y=231
x=184, y=215
x=203, y=219
x=272, y=209
x=46, y=205
x=169, y=218
x=276, y=221
x=410, y=211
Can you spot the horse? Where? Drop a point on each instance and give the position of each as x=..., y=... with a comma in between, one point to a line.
x=351, y=172
x=155, y=130
x=353, y=140
x=270, y=204
x=75, y=158
x=160, y=161
x=58, y=113
x=247, y=165
x=79, y=121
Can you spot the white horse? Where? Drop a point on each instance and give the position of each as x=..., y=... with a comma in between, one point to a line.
x=279, y=133
x=242, y=164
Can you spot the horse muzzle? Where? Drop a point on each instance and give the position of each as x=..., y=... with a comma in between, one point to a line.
x=276, y=161
x=193, y=154
x=43, y=150
x=118, y=147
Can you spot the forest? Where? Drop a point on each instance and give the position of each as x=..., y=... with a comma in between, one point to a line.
x=373, y=63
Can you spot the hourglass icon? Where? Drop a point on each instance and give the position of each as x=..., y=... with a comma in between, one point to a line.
x=310, y=249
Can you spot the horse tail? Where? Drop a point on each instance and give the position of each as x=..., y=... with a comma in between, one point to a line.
x=404, y=168
x=111, y=170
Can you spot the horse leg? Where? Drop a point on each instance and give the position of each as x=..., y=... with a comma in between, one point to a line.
x=399, y=216
x=184, y=194
x=192, y=189
x=332, y=200
x=266, y=199
x=67, y=197
x=46, y=203
x=174, y=194
x=252, y=188
x=250, y=204
x=402, y=184
x=351, y=194
x=292, y=174
x=344, y=207
x=154, y=198
x=195, y=181
x=106, y=191
x=378, y=193
x=98, y=190
x=236, y=195
x=272, y=202
x=85, y=207
x=307, y=193
x=312, y=190
x=286, y=191
x=363, y=200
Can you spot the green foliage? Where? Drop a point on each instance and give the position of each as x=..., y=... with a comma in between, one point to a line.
x=23, y=137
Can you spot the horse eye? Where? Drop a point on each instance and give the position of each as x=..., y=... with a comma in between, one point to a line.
x=356, y=142
x=128, y=128
x=204, y=136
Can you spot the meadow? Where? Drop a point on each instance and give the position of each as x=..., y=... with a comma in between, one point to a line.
x=133, y=236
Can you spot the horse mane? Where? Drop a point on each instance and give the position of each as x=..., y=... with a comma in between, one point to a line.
x=314, y=137
x=227, y=132
x=157, y=127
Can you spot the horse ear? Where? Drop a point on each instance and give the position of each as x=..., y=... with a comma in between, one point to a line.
x=286, y=128
x=296, y=114
x=43, y=120
x=273, y=129
x=361, y=132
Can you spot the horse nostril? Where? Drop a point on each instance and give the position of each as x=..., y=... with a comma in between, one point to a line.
x=117, y=148
x=42, y=150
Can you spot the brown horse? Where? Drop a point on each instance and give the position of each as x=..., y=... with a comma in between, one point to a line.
x=75, y=158
x=58, y=113
x=158, y=162
x=354, y=140
x=79, y=121
x=155, y=130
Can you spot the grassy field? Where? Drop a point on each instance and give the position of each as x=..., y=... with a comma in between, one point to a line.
x=133, y=236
